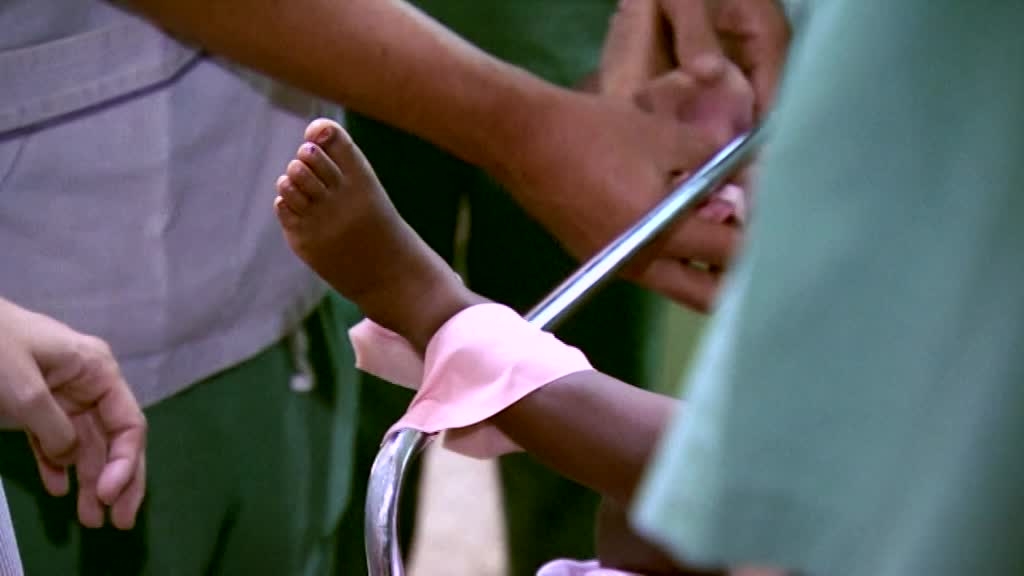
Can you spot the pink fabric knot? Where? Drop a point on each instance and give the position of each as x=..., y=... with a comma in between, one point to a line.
x=483, y=360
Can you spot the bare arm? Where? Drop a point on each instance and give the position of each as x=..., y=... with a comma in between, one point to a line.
x=380, y=57
x=585, y=167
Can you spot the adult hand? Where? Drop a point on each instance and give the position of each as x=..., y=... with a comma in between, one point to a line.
x=66, y=390
x=755, y=34
x=601, y=165
x=659, y=35
x=626, y=159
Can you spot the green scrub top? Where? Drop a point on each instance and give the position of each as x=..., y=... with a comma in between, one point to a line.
x=858, y=404
x=559, y=40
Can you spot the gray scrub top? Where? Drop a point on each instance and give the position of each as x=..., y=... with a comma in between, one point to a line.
x=858, y=405
x=136, y=183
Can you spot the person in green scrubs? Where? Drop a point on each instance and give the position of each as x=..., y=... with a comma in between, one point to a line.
x=858, y=404
x=510, y=258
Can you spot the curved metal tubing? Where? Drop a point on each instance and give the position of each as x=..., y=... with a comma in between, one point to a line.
x=383, y=553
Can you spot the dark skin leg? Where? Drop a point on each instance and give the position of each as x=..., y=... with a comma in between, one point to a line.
x=338, y=219
x=340, y=222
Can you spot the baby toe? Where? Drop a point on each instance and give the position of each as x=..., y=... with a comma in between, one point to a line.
x=285, y=215
x=298, y=202
x=321, y=165
x=305, y=181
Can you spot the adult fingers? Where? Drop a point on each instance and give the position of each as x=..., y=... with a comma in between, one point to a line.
x=678, y=147
x=692, y=30
x=88, y=380
x=41, y=415
x=669, y=96
x=122, y=429
x=53, y=476
x=92, y=457
x=692, y=238
x=635, y=49
x=125, y=429
x=692, y=287
x=698, y=240
x=124, y=510
x=125, y=459
x=755, y=35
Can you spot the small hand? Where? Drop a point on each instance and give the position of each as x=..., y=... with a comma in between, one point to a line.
x=66, y=390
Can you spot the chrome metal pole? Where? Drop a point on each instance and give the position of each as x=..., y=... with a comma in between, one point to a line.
x=602, y=267
x=383, y=552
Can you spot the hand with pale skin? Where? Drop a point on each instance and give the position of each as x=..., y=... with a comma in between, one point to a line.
x=65, y=390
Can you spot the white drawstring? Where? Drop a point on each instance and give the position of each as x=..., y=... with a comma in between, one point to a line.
x=303, y=380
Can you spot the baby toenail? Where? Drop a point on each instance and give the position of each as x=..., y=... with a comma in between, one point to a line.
x=311, y=150
x=323, y=136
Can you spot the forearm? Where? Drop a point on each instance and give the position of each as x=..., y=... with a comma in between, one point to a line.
x=381, y=58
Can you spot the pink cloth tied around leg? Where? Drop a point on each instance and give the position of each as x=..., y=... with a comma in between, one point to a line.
x=483, y=360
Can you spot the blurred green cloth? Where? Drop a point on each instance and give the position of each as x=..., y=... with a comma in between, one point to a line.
x=858, y=405
x=559, y=40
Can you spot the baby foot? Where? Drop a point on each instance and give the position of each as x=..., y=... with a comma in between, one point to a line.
x=337, y=218
x=328, y=199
